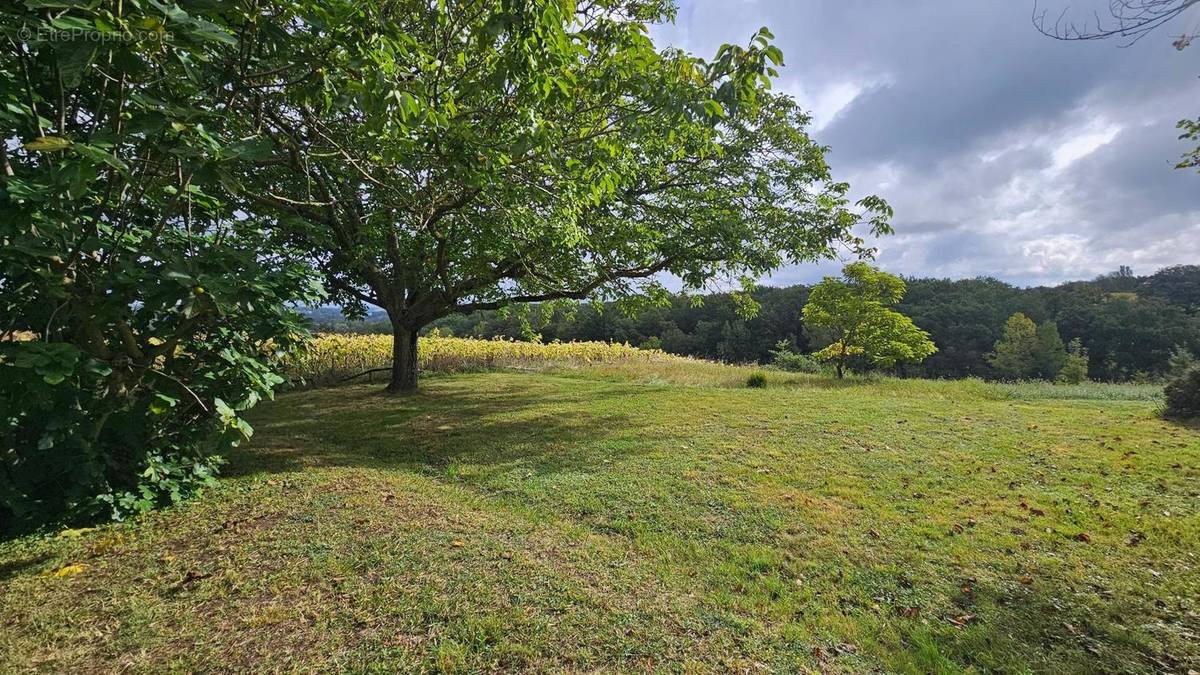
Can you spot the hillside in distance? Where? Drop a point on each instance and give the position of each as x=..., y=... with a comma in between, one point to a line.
x=1130, y=324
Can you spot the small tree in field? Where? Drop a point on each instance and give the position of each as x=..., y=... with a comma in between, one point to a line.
x=1017, y=351
x=1075, y=366
x=855, y=312
x=1051, y=351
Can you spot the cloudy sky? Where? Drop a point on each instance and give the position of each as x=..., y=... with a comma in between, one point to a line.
x=1004, y=153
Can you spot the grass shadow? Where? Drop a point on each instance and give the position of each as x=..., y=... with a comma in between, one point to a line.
x=545, y=428
x=1039, y=624
x=20, y=566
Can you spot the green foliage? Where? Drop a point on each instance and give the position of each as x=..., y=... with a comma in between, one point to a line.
x=1029, y=351
x=499, y=157
x=155, y=306
x=1178, y=285
x=1075, y=365
x=652, y=343
x=1190, y=132
x=856, y=312
x=1182, y=360
x=783, y=358
x=757, y=380
x=1183, y=396
x=965, y=318
x=1051, y=353
x=1016, y=354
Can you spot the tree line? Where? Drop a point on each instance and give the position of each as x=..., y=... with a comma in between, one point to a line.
x=1130, y=326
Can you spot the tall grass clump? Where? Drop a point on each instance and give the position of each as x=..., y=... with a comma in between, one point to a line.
x=331, y=358
x=1083, y=391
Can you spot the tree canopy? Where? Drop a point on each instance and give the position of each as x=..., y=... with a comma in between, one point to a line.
x=1130, y=325
x=1016, y=354
x=461, y=156
x=856, y=313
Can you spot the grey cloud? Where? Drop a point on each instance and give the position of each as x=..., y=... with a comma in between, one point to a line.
x=962, y=110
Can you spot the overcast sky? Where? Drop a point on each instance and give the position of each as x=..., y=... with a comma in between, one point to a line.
x=1004, y=153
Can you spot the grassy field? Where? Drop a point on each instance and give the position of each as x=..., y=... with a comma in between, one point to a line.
x=658, y=517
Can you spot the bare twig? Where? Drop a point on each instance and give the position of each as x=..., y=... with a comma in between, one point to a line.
x=1131, y=20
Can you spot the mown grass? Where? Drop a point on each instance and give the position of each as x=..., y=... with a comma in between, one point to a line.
x=602, y=522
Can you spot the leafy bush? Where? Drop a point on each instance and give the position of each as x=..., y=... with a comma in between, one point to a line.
x=652, y=343
x=784, y=358
x=1075, y=366
x=1183, y=396
x=143, y=305
x=87, y=431
x=1182, y=360
x=757, y=380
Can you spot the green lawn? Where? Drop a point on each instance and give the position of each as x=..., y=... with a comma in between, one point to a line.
x=585, y=522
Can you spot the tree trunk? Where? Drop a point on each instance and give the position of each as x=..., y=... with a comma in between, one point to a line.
x=404, y=359
x=841, y=368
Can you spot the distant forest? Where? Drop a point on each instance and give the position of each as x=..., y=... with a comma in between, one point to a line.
x=1130, y=324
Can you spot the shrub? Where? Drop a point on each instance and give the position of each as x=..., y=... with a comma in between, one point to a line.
x=757, y=380
x=784, y=358
x=651, y=344
x=154, y=304
x=1182, y=360
x=84, y=437
x=1183, y=396
x=1075, y=366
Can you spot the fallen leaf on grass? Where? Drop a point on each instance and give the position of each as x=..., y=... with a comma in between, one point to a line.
x=66, y=571
x=458, y=543
x=1083, y=537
